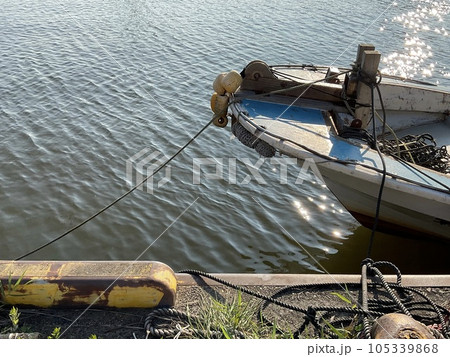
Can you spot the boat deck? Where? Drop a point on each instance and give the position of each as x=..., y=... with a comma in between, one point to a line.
x=306, y=126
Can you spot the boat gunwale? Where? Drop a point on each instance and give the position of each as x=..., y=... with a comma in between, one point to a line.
x=393, y=79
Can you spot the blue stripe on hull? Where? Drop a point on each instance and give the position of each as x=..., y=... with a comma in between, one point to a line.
x=283, y=112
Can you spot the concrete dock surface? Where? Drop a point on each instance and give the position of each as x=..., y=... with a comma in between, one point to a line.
x=192, y=292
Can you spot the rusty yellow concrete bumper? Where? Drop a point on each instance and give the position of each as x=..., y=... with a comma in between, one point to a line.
x=118, y=284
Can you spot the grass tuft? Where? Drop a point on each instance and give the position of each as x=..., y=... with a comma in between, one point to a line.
x=238, y=319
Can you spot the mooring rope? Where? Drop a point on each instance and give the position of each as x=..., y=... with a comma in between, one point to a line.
x=369, y=308
x=164, y=164
x=324, y=319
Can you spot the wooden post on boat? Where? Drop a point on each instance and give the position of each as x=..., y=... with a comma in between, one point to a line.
x=361, y=48
x=367, y=60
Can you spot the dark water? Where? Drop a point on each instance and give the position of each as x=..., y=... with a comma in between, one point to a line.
x=84, y=86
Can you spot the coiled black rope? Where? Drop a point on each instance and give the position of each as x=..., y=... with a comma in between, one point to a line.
x=323, y=319
x=420, y=150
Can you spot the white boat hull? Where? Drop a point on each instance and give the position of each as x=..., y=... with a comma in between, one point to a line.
x=403, y=210
x=413, y=201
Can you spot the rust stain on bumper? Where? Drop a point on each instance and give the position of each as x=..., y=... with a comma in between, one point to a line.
x=119, y=284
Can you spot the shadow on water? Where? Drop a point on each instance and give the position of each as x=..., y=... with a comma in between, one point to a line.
x=411, y=256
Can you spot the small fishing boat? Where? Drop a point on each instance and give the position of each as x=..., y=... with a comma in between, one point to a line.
x=379, y=142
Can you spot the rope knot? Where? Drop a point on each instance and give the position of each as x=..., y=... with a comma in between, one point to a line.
x=370, y=81
x=367, y=262
x=311, y=314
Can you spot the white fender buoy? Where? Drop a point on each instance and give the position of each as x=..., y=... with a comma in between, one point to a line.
x=217, y=84
x=231, y=81
x=219, y=103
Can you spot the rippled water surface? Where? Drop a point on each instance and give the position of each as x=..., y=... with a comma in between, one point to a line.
x=86, y=85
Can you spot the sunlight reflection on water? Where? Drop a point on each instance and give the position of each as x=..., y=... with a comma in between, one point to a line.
x=416, y=57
